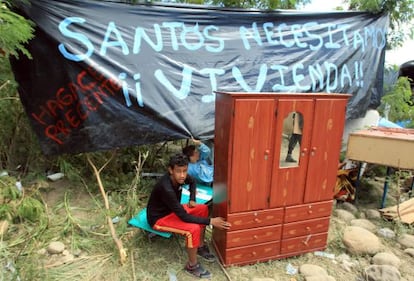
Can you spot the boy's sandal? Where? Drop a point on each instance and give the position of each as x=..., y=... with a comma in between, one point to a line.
x=197, y=270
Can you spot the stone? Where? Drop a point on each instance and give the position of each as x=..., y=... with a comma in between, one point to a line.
x=349, y=207
x=406, y=240
x=312, y=270
x=409, y=251
x=55, y=247
x=382, y=273
x=386, y=233
x=361, y=241
x=262, y=279
x=364, y=224
x=386, y=258
x=344, y=215
x=372, y=214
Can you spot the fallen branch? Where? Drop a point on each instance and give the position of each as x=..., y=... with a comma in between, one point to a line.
x=118, y=242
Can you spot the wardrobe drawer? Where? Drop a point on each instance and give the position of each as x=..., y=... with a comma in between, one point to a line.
x=308, y=211
x=253, y=236
x=255, y=219
x=252, y=254
x=295, y=229
x=304, y=244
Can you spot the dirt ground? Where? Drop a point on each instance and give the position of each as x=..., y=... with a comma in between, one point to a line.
x=151, y=259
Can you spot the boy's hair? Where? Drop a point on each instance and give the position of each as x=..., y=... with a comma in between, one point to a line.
x=189, y=150
x=178, y=159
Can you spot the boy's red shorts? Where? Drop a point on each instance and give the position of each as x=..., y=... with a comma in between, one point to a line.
x=192, y=231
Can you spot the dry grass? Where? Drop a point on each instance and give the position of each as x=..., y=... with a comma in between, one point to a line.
x=76, y=218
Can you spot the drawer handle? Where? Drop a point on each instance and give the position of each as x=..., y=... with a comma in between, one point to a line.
x=255, y=237
x=254, y=254
x=306, y=241
x=308, y=228
x=257, y=220
x=310, y=212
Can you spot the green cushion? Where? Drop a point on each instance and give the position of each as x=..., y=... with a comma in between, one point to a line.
x=140, y=221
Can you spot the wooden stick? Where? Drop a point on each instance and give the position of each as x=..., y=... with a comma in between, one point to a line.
x=220, y=265
x=134, y=277
x=118, y=242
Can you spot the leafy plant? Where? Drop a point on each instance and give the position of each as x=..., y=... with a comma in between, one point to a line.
x=30, y=209
x=15, y=31
x=401, y=14
x=16, y=137
x=5, y=212
x=8, y=190
x=18, y=206
x=261, y=4
x=397, y=103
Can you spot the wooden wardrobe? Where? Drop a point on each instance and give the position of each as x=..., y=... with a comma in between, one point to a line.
x=277, y=209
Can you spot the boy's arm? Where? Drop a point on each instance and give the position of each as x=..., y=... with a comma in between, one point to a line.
x=175, y=206
x=205, y=151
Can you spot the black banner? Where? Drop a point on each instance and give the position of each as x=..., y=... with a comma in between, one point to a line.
x=107, y=75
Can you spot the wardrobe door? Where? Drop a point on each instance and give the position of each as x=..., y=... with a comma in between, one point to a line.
x=325, y=149
x=251, y=154
x=289, y=177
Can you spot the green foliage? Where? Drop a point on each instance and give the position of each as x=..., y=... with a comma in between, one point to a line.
x=5, y=212
x=18, y=207
x=373, y=170
x=9, y=195
x=119, y=172
x=258, y=4
x=8, y=190
x=15, y=31
x=401, y=14
x=17, y=143
x=73, y=166
x=30, y=209
x=398, y=101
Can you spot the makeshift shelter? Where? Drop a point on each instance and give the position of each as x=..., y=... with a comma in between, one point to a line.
x=107, y=75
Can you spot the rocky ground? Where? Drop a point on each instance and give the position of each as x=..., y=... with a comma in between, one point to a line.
x=369, y=251
x=361, y=246
x=388, y=255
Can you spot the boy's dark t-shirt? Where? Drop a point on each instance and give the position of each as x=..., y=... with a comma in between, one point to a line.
x=165, y=199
